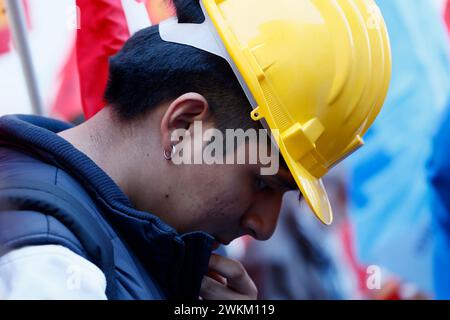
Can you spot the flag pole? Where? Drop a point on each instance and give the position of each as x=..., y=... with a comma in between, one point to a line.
x=16, y=19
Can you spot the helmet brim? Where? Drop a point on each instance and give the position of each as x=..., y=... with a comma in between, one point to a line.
x=312, y=189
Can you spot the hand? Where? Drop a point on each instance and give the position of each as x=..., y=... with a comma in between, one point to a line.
x=227, y=280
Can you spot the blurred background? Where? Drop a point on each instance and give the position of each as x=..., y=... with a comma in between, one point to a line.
x=391, y=236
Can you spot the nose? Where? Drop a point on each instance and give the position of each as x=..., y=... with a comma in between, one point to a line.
x=261, y=218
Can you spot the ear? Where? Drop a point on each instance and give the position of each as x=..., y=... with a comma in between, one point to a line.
x=181, y=114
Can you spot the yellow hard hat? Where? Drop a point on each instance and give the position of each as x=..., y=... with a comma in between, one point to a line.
x=317, y=72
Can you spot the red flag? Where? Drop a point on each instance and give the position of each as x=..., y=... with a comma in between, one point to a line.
x=5, y=34
x=103, y=31
x=447, y=15
x=67, y=104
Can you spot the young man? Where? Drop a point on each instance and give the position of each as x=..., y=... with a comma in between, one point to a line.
x=107, y=210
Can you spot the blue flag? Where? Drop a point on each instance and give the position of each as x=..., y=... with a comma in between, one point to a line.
x=390, y=195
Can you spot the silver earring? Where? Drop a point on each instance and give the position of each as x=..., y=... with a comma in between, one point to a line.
x=170, y=155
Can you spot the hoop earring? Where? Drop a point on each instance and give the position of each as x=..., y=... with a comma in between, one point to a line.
x=172, y=152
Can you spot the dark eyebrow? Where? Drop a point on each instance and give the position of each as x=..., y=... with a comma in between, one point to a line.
x=290, y=183
x=285, y=179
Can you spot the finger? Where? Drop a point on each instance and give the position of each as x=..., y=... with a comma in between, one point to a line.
x=213, y=290
x=214, y=275
x=234, y=272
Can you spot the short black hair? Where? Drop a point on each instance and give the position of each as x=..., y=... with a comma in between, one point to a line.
x=148, y=71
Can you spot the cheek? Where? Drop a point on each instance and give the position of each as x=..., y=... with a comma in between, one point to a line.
x=225, y=198
x=231, y=198
x=230, y=183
